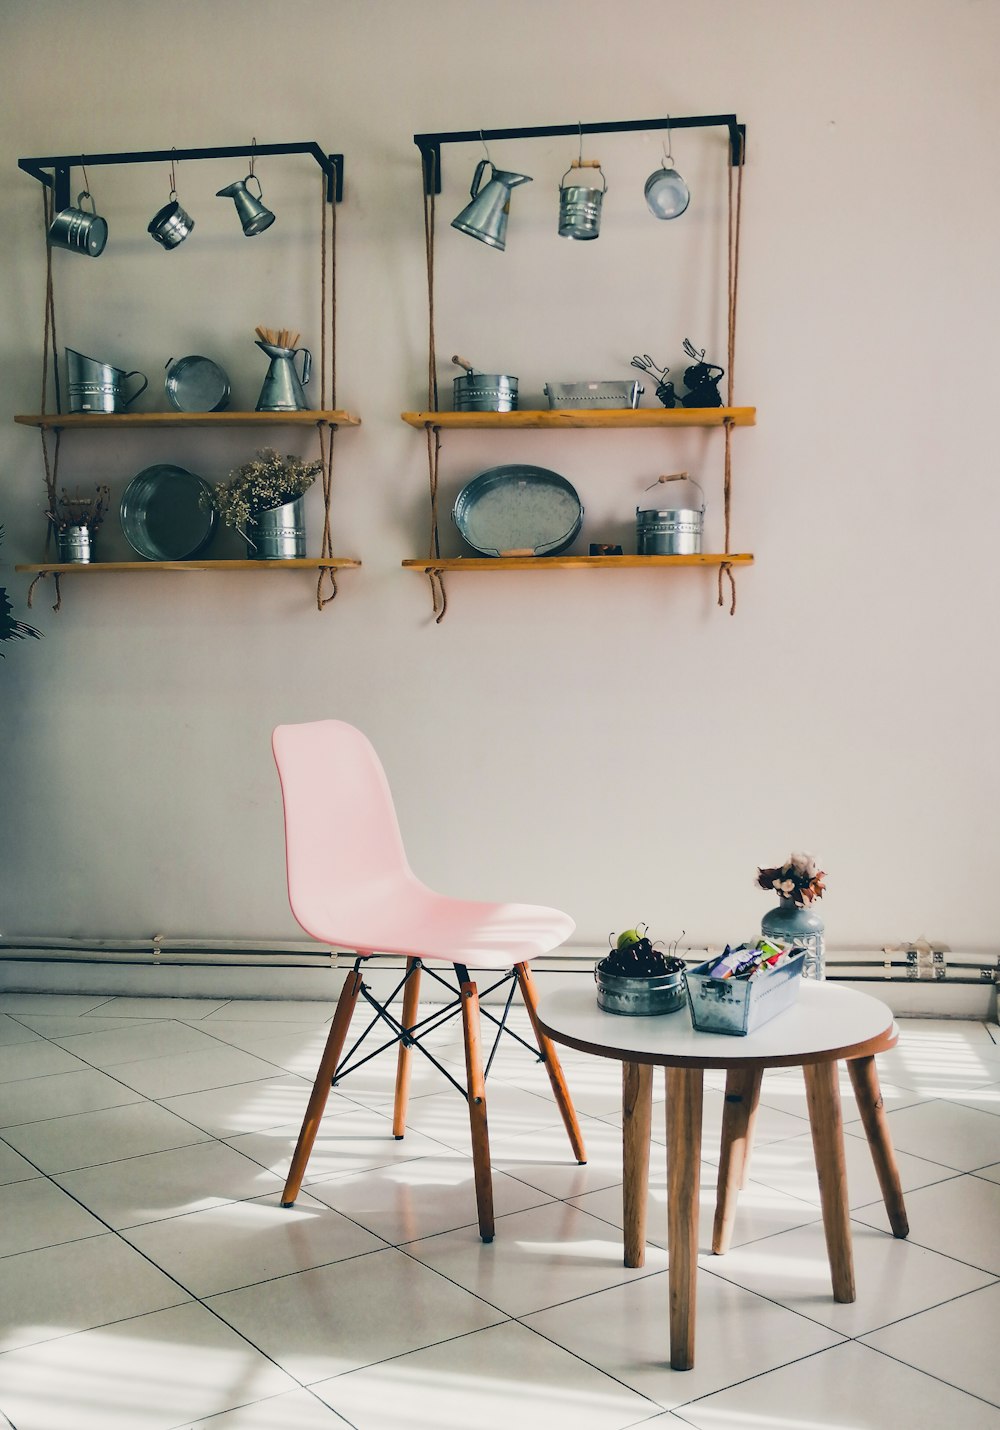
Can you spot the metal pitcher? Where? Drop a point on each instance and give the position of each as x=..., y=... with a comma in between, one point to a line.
x=486, y=217
x=97, y=386
x=282, y=390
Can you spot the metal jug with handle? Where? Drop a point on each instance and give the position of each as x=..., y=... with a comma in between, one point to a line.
x=282, y=389
x=486, y=217
x=97, y=386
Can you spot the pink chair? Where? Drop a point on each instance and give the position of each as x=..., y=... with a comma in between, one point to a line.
x=350, y=886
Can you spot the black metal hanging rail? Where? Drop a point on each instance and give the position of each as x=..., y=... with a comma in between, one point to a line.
x=430, y=144
x=61, y=164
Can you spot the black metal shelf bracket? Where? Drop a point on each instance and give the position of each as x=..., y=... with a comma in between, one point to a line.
x=430, y=144
x=54, y=170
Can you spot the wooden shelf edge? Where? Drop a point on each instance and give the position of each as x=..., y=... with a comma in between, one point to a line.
x=79, y=420
x=298, y=563
x=577, y=563
x=613, y=418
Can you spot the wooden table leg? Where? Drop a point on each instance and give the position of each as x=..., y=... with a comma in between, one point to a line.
x=738, y=1118
x=637, y=1111
x=684, y=1098
x=823, y=1095
x=868, y=1093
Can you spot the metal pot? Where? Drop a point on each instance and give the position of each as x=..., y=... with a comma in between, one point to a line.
x=642, y=997
x=484, y=391
x=670, y=531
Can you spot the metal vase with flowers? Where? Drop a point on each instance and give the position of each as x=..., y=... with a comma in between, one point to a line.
x=798, y=884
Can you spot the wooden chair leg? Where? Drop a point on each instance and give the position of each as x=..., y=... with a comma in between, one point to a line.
x=738, y=1117
x=476, y=1083
x=864, y=1077
x=637, y=1109
x=823, y=1095
x=321, y=1087
x=684, y=1098
x=411, y=1002
x=552, y=1065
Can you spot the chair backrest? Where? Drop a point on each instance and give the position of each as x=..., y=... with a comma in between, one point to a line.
x=343, y=847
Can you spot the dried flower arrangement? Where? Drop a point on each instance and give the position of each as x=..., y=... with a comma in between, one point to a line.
x=800, y=879
x=66, y=511
x=268, y=481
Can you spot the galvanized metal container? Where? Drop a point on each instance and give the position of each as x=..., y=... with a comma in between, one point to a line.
x=74, y=544
x=676, y=531
x=737, y=1005
x=278, y=534
x=485, y=392
x=641, y=997
x=594, y=394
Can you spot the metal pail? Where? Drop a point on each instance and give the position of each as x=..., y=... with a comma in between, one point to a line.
x=78, y=230
x=485, y=392
x=74, y=544
x=669, y=533
x=580, y=212
x=279, y=533
x=170, y=225
x=640, y=997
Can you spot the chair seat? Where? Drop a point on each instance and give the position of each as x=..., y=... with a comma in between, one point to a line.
x=403, y=916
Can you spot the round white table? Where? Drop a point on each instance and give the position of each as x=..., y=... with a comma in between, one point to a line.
x=825, y=1026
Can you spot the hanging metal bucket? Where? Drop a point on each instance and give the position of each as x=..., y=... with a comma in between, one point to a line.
x=580, y=205
x=278, y=534
x=672, y=531
x=74, y=545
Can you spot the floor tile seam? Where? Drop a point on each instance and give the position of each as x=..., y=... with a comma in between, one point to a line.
x=656, y=1406
x=30, y=1121
x=187, y=1299
x=311, y=1385
x=129, y=1157
x=952, y=1174
x=639, y=1274
x=721, y=1275
x=217, y=1204
x=54, y=1245
x=678, y=1410
x=963, y=1390
x=912, y=1240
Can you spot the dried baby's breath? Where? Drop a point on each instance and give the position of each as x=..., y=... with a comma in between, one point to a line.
x=266, y=482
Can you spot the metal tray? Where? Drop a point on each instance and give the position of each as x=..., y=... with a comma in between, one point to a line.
x=594, y=394
x=518, y=511
x=166, y=515
x=196, y=384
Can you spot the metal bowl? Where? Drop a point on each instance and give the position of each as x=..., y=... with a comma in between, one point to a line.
x=642, y=997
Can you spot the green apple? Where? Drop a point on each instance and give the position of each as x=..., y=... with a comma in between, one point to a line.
x=629, y=937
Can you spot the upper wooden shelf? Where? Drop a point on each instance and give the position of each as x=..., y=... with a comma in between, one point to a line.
x=293, y=563
x=615, y=417
x=576, y=563
x=66, y=420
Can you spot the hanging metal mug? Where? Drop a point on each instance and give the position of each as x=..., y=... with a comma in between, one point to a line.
x=78, y=230
x=253, y=215
x=170, y=225
x=580, y=206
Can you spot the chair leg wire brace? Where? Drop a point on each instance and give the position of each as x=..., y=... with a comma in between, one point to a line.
x=408, y=1033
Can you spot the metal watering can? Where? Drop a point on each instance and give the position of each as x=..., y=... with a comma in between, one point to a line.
x=486, y=217
x=282, y=389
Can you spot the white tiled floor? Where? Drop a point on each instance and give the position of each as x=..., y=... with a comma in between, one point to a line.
x=151, y=1279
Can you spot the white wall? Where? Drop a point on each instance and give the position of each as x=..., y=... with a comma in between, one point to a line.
x=614, y=744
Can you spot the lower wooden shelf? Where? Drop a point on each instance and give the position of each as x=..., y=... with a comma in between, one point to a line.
x=297, y=563
x=576, y=563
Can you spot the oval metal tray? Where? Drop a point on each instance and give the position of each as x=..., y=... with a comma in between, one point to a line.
x=518, y=511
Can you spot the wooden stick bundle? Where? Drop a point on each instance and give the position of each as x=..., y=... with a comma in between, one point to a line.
x=278, y=337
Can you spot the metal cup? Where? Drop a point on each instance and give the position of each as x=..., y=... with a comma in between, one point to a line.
x=78, y=230
x=170, y=225
x=97, y=386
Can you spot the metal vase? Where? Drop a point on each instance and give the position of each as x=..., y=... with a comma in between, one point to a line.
x=278, y=534
x=789, y=924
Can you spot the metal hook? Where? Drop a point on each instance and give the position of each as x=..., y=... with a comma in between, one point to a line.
x=253, y=146
x=667, y=148
x=580, y=155
x=173, y=173
x=485, y=150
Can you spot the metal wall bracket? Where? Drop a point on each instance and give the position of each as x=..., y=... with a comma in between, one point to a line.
x=54, y=170
x=430, y=144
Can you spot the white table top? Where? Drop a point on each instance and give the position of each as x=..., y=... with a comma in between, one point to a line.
x=825, y=1022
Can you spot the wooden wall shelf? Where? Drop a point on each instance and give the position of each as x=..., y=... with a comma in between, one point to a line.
x=67, y=421
x=576, y=563
x=297, y=563
x=614, y=417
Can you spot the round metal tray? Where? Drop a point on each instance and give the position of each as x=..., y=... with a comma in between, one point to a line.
x=518, y=511
x=196, y=384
